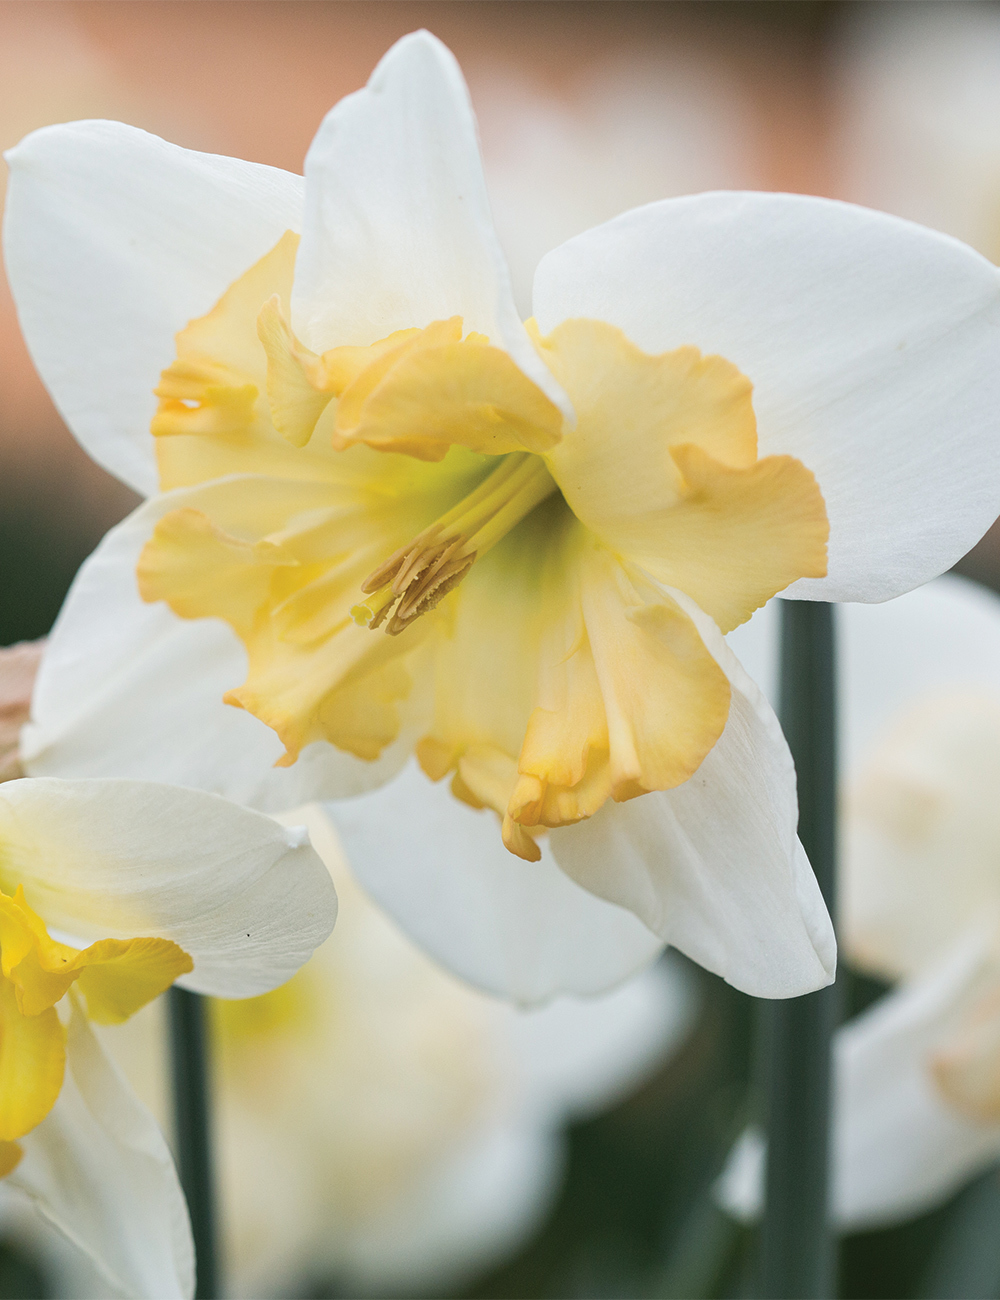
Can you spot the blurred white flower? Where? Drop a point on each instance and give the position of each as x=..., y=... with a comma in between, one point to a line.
x=917, y=1108
x=110, y=891
x=381, y=1122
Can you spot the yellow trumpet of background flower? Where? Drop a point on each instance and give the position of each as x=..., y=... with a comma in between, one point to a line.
x=116, y=978
x=493, y=542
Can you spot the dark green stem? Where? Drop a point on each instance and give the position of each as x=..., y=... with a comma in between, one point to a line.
x=189, y=1050
x=797, y=1244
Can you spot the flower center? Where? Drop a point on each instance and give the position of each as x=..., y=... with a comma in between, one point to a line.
x=418, y=575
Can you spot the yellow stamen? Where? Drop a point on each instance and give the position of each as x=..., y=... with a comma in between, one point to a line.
x=422, y=572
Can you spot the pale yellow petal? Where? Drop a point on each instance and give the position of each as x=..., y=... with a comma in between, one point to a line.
x=39, y=969
x=201, y=571
x=32, y=1064
x=662, y=467
x=631, y=409
x=295, y=392
x=438, y=390
x=565, y=681
x=665, y=697
x=737, y=537
x=213, y=417
x=117, y=977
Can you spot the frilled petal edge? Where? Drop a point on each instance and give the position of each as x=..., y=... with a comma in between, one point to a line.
x=871, y=344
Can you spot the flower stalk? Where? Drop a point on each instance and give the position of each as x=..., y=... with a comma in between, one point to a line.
x=797, y=1254
x=189, y=1051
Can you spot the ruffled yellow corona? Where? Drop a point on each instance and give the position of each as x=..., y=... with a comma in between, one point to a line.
x=410, y=534
x=115, y=977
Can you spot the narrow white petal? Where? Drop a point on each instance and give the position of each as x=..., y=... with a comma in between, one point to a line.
x=117, y=672
x=248, y=899
x=520, y=929
x=98, y=1169
x=397, y=229
x=714, y=866
x=871, y=344
x=114, y=240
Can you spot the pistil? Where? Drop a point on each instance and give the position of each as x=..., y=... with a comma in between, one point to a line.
x=415, y=578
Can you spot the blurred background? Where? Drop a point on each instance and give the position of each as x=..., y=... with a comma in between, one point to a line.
x=585, y=109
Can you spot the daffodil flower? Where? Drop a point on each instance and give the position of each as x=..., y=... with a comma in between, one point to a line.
x=111, y=891
x=917, y=1103
x=412, y=1128
x=416, y=525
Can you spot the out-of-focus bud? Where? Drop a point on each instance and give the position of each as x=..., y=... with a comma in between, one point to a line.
x=18, y=666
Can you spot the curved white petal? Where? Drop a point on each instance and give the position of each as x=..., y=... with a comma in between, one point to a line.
x=871, y=344
x=114, y=240
x=522, y=930
x=899, y=1149
x=98, y=1169
x=117, y=673
x=714, y=866
x=919, y=701
x=397, y=229
x=248, y=899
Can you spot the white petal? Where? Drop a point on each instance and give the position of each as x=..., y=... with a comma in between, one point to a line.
x=117, y=672
x=870, y=342
x=113, y=241
x=926, y=666
x=898, y=1148
x=397, y=229
x=98, y=1169
x=714, y=866
x=522, y=930
x=248, y=899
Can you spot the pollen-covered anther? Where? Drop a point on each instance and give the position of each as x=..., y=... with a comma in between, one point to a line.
x=420, y=574
x=413, y=580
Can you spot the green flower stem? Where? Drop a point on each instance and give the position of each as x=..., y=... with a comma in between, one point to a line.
x=797, y=1254
x=189, y=1049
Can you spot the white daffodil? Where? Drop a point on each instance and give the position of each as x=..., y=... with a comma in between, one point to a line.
x=414, y=524
x=110, y=891
x=410, y=1126
x=918, y=1075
